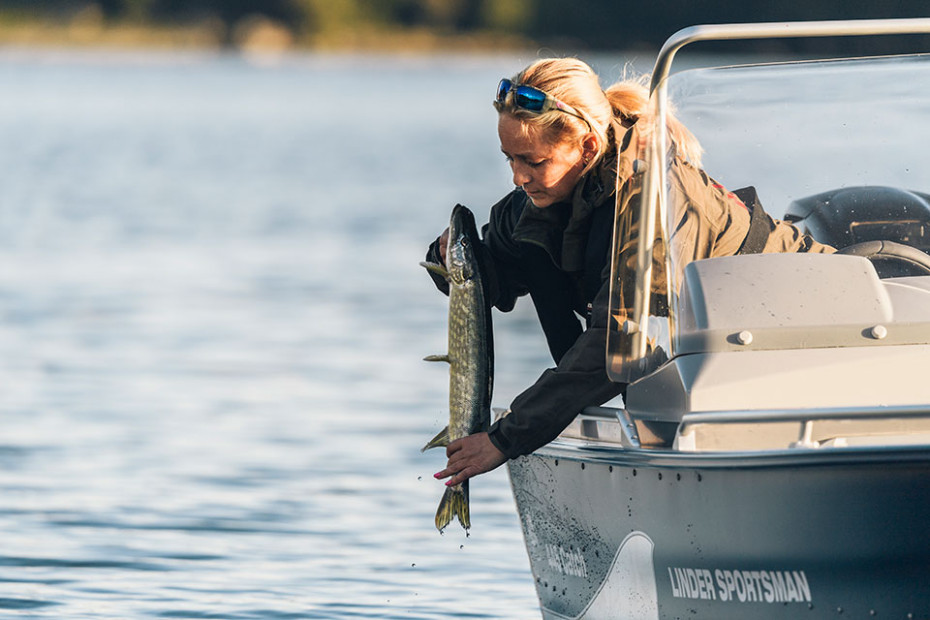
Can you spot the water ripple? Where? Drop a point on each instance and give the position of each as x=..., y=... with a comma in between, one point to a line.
x=211, y=336
x=27, y=562
x=24, y=603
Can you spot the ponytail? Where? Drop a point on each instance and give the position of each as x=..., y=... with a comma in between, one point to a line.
x=629, y=100
x=574, y=82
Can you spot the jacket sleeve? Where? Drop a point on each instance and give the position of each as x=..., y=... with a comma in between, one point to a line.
x=540, y=413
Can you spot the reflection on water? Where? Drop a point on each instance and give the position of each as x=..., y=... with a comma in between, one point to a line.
x=212, y=322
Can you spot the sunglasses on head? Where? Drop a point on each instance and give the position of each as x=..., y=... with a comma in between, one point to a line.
x=534, y=100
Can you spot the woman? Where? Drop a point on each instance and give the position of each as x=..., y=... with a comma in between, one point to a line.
x=571, y=146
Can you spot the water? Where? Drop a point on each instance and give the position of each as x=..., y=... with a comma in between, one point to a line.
x=212, y=325
x=211, y=329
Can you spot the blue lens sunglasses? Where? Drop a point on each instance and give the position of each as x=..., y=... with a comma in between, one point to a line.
x=534, y=100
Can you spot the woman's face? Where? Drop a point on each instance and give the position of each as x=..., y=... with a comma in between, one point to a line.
x=547, y=172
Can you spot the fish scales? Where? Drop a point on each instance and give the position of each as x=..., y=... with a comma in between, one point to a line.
x=468, y=374
x=470, y=354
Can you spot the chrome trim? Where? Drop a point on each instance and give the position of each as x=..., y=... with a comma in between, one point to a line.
x=764, y=416
x=779, y=30
x=627, y=426
x=597, y=454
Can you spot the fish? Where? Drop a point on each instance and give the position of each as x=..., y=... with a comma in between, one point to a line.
x=470, y=354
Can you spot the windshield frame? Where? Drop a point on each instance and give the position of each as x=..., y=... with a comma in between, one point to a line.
x=638, y=341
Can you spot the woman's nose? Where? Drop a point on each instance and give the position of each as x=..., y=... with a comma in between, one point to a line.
x=520, y=175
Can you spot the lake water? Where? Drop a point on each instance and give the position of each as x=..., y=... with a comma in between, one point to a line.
x=212, y=325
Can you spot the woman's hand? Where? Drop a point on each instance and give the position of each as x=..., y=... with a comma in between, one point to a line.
x=470, y=456
x=443, y=245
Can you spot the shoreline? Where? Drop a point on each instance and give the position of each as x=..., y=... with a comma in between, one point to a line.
x=257, y=35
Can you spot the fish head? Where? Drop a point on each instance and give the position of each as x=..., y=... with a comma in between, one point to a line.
x=461, y=253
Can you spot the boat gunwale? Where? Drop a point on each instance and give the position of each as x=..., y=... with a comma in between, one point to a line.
x=588, y=451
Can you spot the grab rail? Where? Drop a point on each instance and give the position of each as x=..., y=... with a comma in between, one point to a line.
x=780, y=30
x=627, y=426
x=802, y=415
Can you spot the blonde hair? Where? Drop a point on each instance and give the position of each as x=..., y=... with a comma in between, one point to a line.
x=573, y=82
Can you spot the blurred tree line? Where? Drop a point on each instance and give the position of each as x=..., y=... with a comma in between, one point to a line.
x=299, y=15
x=580, y=23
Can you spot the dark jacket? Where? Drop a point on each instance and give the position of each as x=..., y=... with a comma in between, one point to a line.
x=560, y=256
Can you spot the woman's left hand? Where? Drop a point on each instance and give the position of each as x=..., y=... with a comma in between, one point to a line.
x=470, y=456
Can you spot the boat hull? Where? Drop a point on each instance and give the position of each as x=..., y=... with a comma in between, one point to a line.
x=635, y=534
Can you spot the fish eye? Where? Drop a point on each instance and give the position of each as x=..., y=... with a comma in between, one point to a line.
x=465, y=242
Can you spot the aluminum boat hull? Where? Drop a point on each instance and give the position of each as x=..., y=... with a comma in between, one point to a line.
x=614, y=533
x=772, y=456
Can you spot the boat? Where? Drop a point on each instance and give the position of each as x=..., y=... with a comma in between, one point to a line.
x=771, y=458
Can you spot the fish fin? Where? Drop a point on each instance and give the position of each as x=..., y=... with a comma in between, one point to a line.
x=436, y=268
x=454, y=503
x=437, y=358
x=441, y=439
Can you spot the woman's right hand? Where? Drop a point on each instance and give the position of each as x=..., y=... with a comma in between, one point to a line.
x=469, y=456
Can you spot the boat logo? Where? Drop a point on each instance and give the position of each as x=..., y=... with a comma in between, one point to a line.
x=742, y=586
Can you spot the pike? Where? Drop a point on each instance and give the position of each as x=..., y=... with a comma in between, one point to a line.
x=470, y=355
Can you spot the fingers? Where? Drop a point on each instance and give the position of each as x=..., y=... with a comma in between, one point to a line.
x=457, y=476
x=457, y=466
x=455, y=446
x=468, y=457
x=451, y=450
x=462, y=476
x=455, y=457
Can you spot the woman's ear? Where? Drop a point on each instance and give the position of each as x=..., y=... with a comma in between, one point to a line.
x=589, y=145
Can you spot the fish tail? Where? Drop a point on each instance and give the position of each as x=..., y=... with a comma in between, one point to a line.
x=454, y=503
x=441, y=439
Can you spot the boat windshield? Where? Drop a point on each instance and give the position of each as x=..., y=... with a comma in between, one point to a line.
x=837, y=147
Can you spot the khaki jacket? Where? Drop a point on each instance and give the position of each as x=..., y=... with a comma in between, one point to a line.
x=709, y=220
